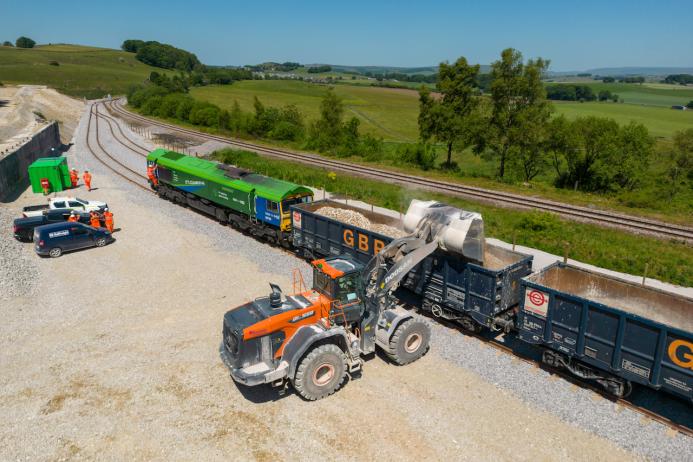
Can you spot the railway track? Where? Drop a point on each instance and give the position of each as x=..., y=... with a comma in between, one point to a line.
x=133, y=146
x=94, y=115
x=609, y=218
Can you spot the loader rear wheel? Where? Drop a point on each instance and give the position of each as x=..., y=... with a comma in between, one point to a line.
x=409, y=342
x=321, y=372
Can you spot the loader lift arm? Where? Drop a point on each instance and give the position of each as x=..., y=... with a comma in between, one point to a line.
x=385, y=271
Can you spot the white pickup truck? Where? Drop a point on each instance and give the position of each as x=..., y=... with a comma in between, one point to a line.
x=74, y=203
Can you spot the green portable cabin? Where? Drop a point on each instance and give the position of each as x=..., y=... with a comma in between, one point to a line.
x=53, y=168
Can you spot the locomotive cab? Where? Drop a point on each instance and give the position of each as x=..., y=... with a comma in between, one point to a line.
x=285, y=210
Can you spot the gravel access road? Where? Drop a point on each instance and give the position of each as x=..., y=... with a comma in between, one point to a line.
x=112, y=354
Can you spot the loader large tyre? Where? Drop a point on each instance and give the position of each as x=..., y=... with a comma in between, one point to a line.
x=321, y=372
x=409, y=342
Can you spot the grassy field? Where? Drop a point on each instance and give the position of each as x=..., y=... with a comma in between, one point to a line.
x=392, y=113
x=649, y=94
x=82, y=71
x=668, y=260
x=661, y=121
x=385, y=112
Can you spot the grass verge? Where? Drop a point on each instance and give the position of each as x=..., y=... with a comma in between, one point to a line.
x=668, y=260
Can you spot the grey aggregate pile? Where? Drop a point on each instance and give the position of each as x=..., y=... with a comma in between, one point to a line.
x=19, y=270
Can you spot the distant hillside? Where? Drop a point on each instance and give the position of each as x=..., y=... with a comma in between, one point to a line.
x=424, y=70
x=73, y=69
x=645, y=71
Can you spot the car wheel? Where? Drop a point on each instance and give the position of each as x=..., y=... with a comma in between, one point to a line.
x=100, y=242
x=55, y=252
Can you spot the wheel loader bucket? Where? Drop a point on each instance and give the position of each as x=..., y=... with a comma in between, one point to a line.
x=457, y=231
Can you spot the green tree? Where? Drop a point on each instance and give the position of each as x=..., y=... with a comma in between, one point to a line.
x=605, y=95
x=597, y=140
x=24, y=42
x=519, y=109
x=351, y=136
x=453, y=118
x=327, y=132
x=7, y=43
x=561, y=141
x=533, y=120
x=224, y=119
x=680, y=161
x=132, y=46
x=633, y=157
x=289, y=125
x=237, y=123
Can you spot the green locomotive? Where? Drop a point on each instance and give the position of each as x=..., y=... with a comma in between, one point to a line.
x=246, y=200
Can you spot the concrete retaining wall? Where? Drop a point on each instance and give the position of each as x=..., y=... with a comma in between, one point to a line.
x=13, y=167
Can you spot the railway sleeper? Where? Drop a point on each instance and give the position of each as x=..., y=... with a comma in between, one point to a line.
x=614, y=385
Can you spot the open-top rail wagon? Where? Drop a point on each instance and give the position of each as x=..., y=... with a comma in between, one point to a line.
x=608, y=330
x=473, y=294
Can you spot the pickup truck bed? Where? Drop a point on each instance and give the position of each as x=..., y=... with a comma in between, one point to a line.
x=24, y=227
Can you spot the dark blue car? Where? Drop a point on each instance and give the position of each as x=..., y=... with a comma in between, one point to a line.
x=24, y=227
x=53, y=240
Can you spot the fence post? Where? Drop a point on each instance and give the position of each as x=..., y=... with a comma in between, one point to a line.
x=566, y=248
x=514, y=238
x=644, y=274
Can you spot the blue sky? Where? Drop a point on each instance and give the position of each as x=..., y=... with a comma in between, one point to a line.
x=574, y=35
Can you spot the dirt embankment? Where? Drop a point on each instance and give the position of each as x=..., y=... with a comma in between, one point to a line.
x=24, y=110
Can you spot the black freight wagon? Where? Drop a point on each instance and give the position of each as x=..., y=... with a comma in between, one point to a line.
x=608, y=330
x=451, y=287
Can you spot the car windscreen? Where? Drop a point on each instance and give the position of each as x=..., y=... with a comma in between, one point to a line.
x=81, y=200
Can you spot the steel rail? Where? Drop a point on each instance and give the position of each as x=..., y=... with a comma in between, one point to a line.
x=610, y=218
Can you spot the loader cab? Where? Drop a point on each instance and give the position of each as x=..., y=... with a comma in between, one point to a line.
x=339, y=279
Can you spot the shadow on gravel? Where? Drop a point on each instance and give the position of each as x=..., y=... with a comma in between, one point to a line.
x=671, y=407
x=263, y=393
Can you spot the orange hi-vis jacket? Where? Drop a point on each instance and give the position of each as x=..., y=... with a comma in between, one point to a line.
x=94, y=220
x=108, y=219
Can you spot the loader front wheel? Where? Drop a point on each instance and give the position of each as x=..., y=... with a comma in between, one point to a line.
x=409, y=342
x=321, y=372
